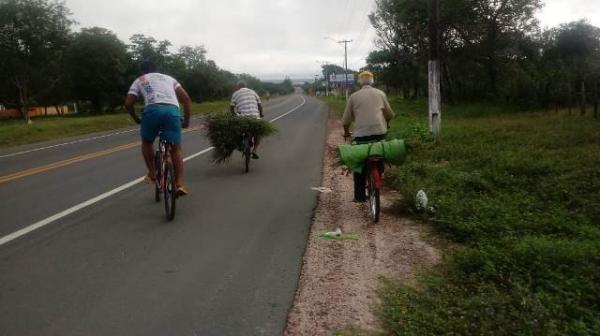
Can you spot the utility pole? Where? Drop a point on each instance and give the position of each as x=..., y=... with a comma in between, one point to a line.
x=345, y=42
x=435, y=110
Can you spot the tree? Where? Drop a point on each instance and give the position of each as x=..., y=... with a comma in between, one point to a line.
x=97, y=64
x=148, y=48
x=329, y=69
x=33, y=36
x=192, y=56
x=488, y=48
x=577, y=46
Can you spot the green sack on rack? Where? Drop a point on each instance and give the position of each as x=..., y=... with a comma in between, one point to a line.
x=354, y=156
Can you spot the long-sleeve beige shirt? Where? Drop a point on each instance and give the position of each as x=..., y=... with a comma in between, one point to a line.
x=369, y=110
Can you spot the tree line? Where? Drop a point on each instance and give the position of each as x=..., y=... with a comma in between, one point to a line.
x=44, y=62
x=490, y=50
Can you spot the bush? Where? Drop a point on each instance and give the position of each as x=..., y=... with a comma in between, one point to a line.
x=225, y=132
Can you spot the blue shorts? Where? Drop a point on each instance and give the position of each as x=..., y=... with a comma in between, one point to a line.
x=165, y=118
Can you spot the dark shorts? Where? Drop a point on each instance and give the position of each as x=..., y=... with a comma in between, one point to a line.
x=157, y=117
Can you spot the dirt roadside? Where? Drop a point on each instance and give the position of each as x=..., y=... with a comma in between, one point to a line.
x=339, y=278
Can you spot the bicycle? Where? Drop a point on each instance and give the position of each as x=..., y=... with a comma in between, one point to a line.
x=247, y=149
x=165, y=177
x=374, y=178
x=373, y=173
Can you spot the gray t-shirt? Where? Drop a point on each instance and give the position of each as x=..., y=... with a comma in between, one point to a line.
x=246, y=102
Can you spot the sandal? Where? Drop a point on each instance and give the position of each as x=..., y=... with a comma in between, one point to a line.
x=181, y=191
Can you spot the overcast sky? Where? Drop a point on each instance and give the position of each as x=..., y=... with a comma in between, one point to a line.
x=269, y=38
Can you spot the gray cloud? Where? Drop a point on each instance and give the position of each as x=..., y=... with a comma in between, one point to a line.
x=267, y=38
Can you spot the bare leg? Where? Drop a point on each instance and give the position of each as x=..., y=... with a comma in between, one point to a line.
x=177, y=157
x=256, y=143
x=148, y=153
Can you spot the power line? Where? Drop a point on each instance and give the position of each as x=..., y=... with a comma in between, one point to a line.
x=366, y=22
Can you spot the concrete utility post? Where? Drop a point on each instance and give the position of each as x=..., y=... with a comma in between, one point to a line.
x=435, y=98
x=345, y=42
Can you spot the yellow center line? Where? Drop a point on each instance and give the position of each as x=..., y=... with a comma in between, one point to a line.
x=84, y=157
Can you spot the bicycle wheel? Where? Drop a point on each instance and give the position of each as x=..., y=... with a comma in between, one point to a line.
x=373, y=191
x=170, y=191
x=157, y=176
x=247, y=154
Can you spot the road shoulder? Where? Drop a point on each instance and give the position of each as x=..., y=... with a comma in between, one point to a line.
x=339, y=278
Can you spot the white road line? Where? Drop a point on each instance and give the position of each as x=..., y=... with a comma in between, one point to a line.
x=76, y=141
x=67, y=212
x=290, y=111
x=67, y=143
x=28, y=229
x=202, y=152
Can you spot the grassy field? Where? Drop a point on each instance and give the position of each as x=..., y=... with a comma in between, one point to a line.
x=519, y=195
x=16, y=132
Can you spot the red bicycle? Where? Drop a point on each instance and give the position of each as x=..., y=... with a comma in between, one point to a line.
x=165, y=177
x=373, y=171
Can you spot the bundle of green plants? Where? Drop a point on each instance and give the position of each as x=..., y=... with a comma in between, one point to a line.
x=225, y=132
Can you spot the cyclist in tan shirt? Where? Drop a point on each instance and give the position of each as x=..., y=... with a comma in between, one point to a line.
x=370, y=112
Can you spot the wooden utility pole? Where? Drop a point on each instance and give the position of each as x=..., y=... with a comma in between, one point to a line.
x=345, y=42
x=596, y=99
x=435, y=98
x=583, y=98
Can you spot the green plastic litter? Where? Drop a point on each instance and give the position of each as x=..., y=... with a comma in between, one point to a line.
x=344, y=236
x=354, y=156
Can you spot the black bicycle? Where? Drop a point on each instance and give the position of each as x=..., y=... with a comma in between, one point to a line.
x=165, y=178
x=247, y=149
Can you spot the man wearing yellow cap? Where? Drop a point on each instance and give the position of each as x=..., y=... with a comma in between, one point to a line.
x=370, y=112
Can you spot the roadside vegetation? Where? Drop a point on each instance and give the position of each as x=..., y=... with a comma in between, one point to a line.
x=519, y=195
x=16, y=132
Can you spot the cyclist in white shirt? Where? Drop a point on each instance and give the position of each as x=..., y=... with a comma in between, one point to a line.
x=245, y=102
x=161, y=94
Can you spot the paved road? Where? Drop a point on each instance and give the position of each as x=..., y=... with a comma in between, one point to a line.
x=227, y=265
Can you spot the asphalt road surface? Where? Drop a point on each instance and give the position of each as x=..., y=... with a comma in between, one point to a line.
x=84, y=250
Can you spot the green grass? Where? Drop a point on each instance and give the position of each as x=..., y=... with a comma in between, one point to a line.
x=519, y=194
x=16, y=132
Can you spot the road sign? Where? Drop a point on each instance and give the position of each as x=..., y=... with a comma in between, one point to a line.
x=341, y=78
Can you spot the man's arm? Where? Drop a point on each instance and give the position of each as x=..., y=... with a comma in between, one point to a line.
x=183, y=96
x=387, y=110
x=260, y=110
x=129, y=102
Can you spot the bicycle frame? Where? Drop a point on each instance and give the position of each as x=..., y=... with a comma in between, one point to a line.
x=164, y=171
x=247, y=148
x=374, y=166
x=165, y=153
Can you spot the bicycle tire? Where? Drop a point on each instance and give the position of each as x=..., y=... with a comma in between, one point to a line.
x=247, y=153
x=157, y=175
x=373, y=194
x=170, y=191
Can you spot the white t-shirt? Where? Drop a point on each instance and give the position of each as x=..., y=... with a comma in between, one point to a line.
x=156, y=88
x=246, y=102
